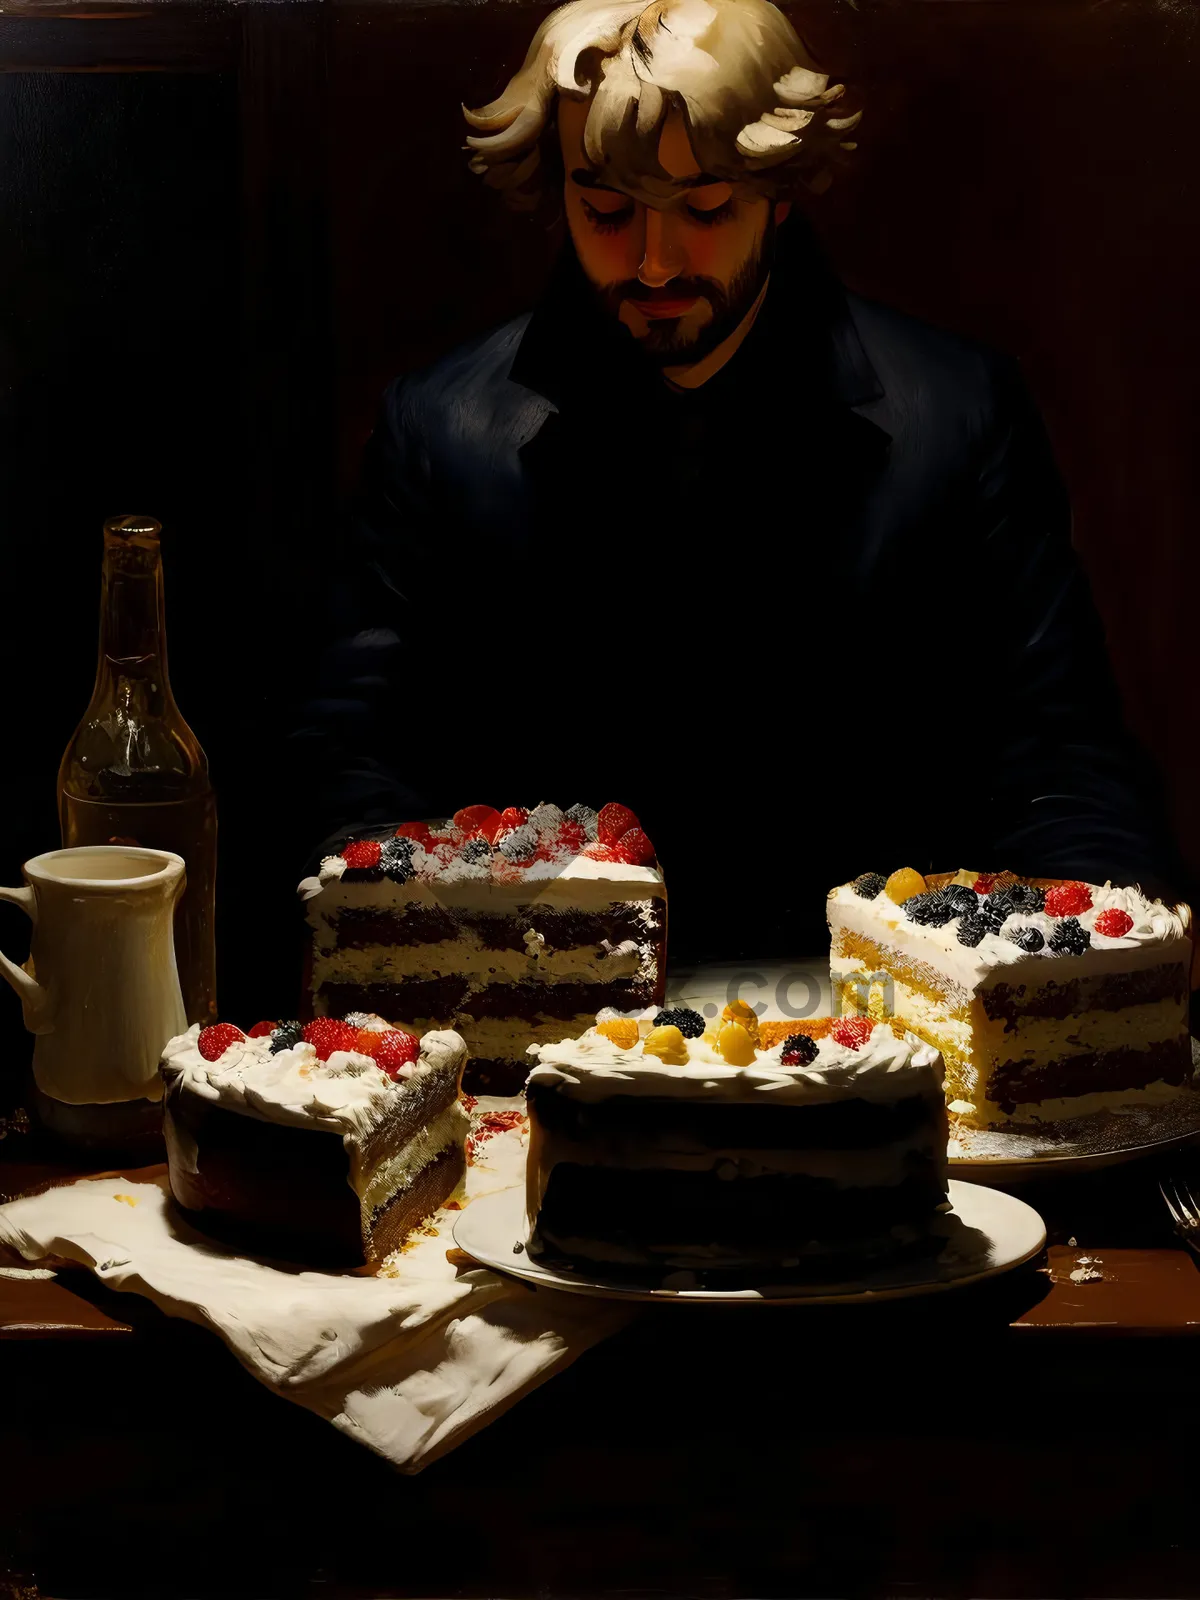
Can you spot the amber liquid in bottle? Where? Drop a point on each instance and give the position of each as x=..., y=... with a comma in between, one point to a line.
x=134, y=772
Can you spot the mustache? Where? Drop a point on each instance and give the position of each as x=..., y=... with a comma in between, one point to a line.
x=678, y=289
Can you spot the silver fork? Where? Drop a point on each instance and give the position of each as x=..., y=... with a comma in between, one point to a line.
x=1185, y=1213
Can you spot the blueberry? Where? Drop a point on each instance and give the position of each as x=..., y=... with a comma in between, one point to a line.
x=1027, y=939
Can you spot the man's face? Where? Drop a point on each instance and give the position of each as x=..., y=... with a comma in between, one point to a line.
x=681, y=276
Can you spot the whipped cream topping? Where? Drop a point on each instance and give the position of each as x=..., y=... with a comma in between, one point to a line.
x=885, y=1067
x=346, y=1094
x=1159, y=933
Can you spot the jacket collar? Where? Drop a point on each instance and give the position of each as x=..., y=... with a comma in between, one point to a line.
x=805, y=325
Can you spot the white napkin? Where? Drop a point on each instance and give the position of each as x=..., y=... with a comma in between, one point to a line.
x=410, y=1365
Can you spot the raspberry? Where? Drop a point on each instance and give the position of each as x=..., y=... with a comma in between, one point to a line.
x=613, y=822
x=420, y=831
x=867, y=885
x=690, y=1023
x=478, y=819
x=984, y=882
x=395, y=1049
x=327, y=1035
x=362, y=853
x=1114, y=924
x=213, y=1042
x=853, y=1032
x=260, y=1030
x=1068, y=900
x=799, y=1050
x=634, y=848
x=1070, y=937
x=572, y=837
x=512, y=817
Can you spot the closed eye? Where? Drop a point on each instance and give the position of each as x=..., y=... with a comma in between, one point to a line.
x=607, y=221
x=716, y=214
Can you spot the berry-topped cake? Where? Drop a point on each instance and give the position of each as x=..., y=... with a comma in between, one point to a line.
x=325, y=1144
x=1048, y=999
x=511, y=926
x=816, y=1148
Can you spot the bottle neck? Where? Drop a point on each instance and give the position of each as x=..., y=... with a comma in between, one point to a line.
x=133, y=638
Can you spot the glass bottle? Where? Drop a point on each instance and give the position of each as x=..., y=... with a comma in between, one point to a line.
x=134, y=772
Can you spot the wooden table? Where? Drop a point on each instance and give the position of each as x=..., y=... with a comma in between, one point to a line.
x=1028, y=1436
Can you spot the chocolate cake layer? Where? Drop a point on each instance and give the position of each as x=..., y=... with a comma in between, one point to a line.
x=262, y=1187
x=444, y=998
x=1111, y=992
x=408, y=1208
x=852, y=1124
x=358, y=928
x=780, y=1212
x=1014, y=1083
x=843, y=1263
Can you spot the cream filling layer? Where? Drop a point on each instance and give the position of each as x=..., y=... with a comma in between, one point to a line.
x=376, y=1186
x=381, y=963
x=590, y=893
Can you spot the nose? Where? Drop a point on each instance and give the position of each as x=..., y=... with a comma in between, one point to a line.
x=663, y=258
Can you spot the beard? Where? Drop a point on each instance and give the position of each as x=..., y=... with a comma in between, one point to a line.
x=667, y=341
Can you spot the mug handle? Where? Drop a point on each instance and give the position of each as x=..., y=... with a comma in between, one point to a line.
x=29, y=990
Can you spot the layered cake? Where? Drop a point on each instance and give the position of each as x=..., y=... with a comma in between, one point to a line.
x=1048, y=999
x=816, y=1149
x=325, y=1144
x=512, y=927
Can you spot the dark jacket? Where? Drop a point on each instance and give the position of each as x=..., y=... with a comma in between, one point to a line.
x=818, y=617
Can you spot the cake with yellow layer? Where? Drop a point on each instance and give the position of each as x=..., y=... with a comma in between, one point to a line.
x=1047, y=998
x=664, y=1143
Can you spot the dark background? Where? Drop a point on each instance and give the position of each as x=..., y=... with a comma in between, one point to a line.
x=224, y=229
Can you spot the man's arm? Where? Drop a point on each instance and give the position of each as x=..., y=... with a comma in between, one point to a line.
x=1072, y=794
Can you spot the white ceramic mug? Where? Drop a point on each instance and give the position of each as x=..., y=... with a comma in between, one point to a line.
x=100, y=989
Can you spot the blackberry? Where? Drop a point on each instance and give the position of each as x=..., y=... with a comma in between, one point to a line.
x=690, y=1023
x=929, y=910
x=286, y=1036
x=396, y=859
x=1027, y=897
x=1070, y=937
x=799, y=1050
x=972, y=929
x=961, y=897
x=1027, y=939
x=476, y=850
x=994, y=910
x=520, y=844
x=869, y=884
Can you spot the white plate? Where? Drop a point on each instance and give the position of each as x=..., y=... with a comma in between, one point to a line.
x=800, y=989
x=989, y=1233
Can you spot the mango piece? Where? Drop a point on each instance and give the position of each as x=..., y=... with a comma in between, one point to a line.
x=736, y=1045
x=668, y=1044
x=745, y=1016
x=623, y=1031
x=902, y=885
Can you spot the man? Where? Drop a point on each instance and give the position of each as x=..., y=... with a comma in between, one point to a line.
x=786, y=571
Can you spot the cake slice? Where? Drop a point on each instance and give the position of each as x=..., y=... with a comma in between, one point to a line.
x=1048, y=999
x=326, y=1145
x=668, y=1146
x=511, y=927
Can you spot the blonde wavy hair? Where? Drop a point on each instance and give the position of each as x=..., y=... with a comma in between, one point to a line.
x=757, y=111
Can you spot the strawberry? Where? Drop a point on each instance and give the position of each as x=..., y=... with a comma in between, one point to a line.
x=853, y=1032
x=984, y=883
x=614, y=821
x=511, y=817
x=362, y=853
x=213, y=1042
x=1113, y=924
x=571, y=838
x=396, y=1049
x=478, y=819
x=1068, y=900
x=634, y=848
x=420, y=831
x=326, y=1035
x=600, y=852
x=260, y=1030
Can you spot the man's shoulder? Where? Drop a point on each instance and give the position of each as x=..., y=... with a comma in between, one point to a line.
x=467, y=386
x=928, y=369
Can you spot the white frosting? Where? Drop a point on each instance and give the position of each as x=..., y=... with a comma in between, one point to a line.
x=347, y=1094
x=375, y=1186
x=1158, y=935
x=886, y=1067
